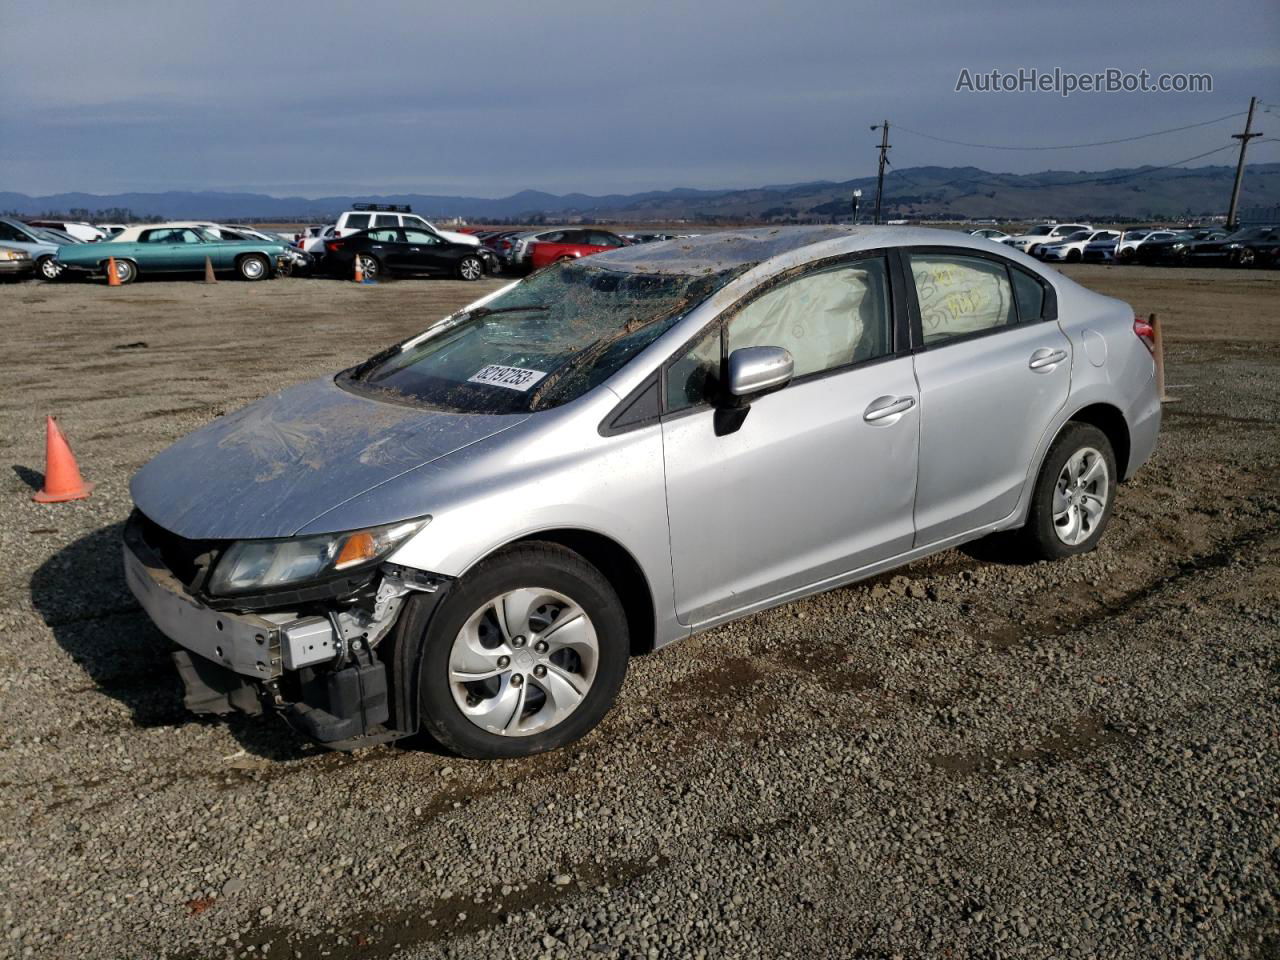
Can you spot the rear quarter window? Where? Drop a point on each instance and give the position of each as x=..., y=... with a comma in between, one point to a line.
x=1030, y=295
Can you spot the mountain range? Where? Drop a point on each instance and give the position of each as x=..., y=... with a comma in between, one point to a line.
x=1141, y=193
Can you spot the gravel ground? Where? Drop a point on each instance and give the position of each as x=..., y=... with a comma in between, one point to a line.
x=965, y=759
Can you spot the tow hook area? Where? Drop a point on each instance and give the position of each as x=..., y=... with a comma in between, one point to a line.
x=334, y=687
x=343, y=698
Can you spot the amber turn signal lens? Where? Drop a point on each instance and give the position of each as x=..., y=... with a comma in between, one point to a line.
x=359, y=548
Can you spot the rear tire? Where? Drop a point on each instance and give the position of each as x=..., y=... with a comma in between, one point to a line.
x=471, y=268
x=253, y=267
x=1073, y=496
x=370, y=268
x=464, y=635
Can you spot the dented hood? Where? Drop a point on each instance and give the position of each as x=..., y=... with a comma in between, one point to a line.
x=275, y=465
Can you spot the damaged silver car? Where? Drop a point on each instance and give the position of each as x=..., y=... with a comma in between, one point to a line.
x=471, y=532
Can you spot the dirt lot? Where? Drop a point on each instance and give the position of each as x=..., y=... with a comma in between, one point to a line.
x=970, y=759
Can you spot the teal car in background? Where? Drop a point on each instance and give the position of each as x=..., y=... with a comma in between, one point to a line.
x=161, y=248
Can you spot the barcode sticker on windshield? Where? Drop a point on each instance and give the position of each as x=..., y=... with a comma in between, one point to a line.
x=513, y=378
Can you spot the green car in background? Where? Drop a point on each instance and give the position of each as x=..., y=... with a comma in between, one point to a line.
x=175, y=248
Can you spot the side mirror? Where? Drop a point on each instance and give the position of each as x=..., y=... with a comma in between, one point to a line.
x=756, y=370
x=753, y=372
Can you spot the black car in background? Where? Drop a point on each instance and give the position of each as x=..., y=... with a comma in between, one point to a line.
x=406, y=251
x=1174, y=249
x=1252, y=246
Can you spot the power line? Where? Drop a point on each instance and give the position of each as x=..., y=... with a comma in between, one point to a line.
x=1067, y=183
x=1071, y=146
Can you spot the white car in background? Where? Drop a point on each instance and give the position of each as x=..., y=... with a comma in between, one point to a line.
x=990, y=233
x=76, y=228
x=1044, y=233
x=369, y=216
x=312, y=239
x=1071, y=249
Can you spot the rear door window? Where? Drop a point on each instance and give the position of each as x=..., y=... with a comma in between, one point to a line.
x=386, y=220
x=961, y=295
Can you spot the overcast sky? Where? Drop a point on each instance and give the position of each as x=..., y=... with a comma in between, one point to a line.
x=487, y=98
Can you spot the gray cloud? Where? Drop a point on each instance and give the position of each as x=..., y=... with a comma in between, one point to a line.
x=485, y=100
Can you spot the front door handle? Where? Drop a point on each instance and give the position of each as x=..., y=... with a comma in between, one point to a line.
x=882, y=409
x=1045, y=359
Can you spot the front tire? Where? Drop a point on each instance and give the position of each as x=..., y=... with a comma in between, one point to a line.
x=126, y=270
x=526, y=654
x=1073, y=496
x=253, y=267
x=471, y=268
x=47, y=269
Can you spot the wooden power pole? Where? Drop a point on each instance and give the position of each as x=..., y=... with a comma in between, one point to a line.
x=1244, y=139
x=884, y=149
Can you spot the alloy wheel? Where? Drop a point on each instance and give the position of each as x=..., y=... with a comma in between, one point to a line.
x=471, y=269
x=523, y=662
x=1080, y=496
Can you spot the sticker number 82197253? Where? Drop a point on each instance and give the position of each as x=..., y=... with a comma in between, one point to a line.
x=513, y=378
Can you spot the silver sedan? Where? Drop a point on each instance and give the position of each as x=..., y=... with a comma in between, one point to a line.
x=470, y=533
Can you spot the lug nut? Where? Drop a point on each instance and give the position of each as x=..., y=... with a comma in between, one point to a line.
x=518, y=641
x=504, y=662
x=541, y=646
x=517, y=680
x=539, y=671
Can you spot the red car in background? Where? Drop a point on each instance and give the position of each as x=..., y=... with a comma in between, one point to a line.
x=571, y=244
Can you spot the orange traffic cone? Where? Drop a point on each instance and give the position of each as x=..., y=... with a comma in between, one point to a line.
x=208, y=271
x=359, y=272
x=113, y=278
x=62, y=479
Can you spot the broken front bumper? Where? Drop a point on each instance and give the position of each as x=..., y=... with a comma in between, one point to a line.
x=321, y=672
x=252, y=645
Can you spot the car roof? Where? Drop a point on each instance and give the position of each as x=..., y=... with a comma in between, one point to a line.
x=731, y=249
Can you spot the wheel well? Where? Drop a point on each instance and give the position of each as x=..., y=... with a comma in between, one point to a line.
x=1110, y=421
x=623, y=573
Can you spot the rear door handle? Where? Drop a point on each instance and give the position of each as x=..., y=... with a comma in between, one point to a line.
x=882, y=409
x=1045, y=359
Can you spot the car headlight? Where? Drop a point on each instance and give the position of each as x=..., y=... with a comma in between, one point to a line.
x=13, y=255
x=252, y=565
x=1234, y=246
x=1178, y=246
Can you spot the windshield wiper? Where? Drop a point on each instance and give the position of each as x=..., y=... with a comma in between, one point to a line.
x=490, y=311
x=360, y=369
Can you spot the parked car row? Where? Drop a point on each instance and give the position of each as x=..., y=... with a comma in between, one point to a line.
x=1079, y=242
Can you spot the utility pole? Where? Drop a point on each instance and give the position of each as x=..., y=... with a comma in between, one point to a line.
x=884, y=149
x=1244, y=139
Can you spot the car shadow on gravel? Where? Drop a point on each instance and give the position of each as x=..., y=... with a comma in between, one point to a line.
x=81, y=593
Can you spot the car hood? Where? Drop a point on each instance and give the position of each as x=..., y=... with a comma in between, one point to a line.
x=274, y=466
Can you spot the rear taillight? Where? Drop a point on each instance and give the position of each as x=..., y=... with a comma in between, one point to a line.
x=1145, y=332
x=333, y=246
